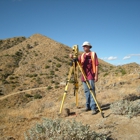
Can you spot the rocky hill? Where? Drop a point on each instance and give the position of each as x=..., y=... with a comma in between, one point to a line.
x=33, y=73
x=34, y=62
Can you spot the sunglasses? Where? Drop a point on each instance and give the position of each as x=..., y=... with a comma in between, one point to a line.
x=86, y=46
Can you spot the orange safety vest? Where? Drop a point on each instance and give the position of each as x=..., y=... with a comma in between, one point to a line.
x=92, y=59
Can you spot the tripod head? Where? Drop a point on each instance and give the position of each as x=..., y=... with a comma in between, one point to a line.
x=75, y=51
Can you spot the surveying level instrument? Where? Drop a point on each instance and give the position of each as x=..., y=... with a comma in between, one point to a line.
x=74, y=69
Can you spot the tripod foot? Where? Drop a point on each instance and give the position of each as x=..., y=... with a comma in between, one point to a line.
x=59, y=114
x=102, y=114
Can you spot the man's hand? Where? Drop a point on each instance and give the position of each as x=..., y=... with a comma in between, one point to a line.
x=96, y=78
x=71, y=56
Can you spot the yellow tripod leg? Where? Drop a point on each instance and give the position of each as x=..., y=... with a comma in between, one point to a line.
x=76, y=94
x=61, y=107
x=66, y=89
x=84, y=75
x=76, y=81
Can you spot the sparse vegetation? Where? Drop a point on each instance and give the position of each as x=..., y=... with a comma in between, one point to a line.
x=56, y=83
x=66, y=56
x=18, y=55
x=57, y=58
x=131, y=97
x=56, y=86
x=123, y=72
x=9, y=43
x=49, y=60
x=56, y=69
x=35, y=43
x=32, y=75
x=22, y=87
x=37, y=96
x=28, y=95
x=52, y=81
x=47, y=66
x=58, y=65
x=105, y=74
x=62, y=130
x=11, y=77
x=125, y=107
x=52, y=72
x=49, y=87
x=36, y=54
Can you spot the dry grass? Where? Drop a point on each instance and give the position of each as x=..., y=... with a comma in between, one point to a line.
x=18, y=112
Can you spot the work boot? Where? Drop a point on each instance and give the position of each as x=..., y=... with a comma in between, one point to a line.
x=94, y=112
x=87, y=109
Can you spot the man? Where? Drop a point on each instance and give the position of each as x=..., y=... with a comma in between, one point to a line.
x=89, y=62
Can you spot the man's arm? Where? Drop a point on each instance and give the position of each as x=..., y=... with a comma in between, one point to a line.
x=96, y=74
x=96, y=67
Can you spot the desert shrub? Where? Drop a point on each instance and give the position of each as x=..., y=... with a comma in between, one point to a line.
x=56, y=69
x=111, y=67
x=37, y=96
x=48, y=77
x=1, y=41
x=125, y=107
x=49, y=87
x=29, y=46
x=51, y=76
x=58, y=59
x=56, y=83
x=66, y=56
x=105, y=74
x=18, y=55
x=69, y=63
x=131, y=97
x=123, y=71
x=58, y=65
x=56, y=86
x=38, y=80
x=36, y=54
x=1, y=92
x=35, y=75
x=31, y=75
x=11, y=77
x=49, y=60
x=47, y=66
x=35, y=43
x=52, y=72
x=28, y=95
x=55, y=57
x=4, y=81
x=52, y=81
x=72, y=81
x=62, y=130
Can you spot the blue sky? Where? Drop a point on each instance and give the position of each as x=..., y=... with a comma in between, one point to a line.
x=111, y=26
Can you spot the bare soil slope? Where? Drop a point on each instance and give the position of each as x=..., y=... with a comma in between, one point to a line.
x=33, y=73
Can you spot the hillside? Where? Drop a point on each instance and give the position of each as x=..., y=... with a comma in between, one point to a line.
x=33, y=73
x=36, y=61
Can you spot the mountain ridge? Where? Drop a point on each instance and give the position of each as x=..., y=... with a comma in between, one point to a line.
x=33, y=74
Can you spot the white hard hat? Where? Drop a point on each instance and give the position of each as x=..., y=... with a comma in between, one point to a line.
x=86, y=43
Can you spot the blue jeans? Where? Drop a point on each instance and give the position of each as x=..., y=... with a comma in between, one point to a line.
x=90, y=103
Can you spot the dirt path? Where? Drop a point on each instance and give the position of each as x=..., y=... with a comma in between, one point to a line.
x=4, y=97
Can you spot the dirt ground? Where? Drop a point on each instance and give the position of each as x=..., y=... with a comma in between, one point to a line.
x=15, y=120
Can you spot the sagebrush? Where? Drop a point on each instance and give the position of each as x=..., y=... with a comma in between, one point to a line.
x=126, y=107
x=62, y=130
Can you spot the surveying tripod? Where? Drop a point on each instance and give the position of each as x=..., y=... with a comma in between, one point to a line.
x=74, y=69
